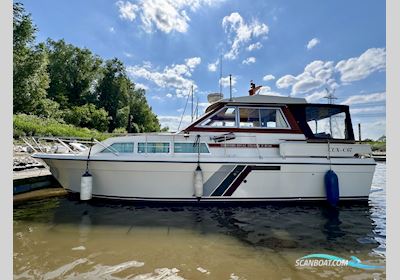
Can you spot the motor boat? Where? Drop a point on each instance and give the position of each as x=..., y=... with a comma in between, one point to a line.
x=251, y=148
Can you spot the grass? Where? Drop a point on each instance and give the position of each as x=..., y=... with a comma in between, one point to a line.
x=377, y=146
x=30, y=125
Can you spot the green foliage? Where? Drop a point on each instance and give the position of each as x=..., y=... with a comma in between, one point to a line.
x=113, y=89
x=73, y=72
x=48, y=108
x=35, y=126
x=23, y=28
x=141, y=113
x=119, y=130
x=87, y=116
x=60, y=83
x=122, y=117
x=30, y=77
x=377, y=146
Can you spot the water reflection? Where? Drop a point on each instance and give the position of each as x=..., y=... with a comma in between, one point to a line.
x=274, y=227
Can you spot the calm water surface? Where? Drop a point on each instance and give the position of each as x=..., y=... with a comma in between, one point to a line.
x=61, y=238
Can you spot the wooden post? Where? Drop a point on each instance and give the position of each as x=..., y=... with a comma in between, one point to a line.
x=359, y=132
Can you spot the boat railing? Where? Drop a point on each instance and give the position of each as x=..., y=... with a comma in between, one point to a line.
x=73, y=145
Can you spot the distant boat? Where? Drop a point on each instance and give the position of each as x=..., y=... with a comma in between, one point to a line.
x=250, y=148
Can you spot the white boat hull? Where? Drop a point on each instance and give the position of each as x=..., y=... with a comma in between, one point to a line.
x=275, y=180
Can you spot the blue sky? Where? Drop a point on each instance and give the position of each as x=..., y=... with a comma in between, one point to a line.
x=290, y=47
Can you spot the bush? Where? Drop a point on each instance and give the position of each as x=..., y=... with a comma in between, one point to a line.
x=87, y=116
x=119, y=130
x=36, y=126
x=48, y=108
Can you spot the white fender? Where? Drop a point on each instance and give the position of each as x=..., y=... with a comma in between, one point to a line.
x=86, y=186
x=198, y=182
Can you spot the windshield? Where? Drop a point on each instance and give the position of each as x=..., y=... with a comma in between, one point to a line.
x=324, y=121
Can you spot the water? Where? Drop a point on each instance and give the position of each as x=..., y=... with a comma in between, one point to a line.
x=61, y=238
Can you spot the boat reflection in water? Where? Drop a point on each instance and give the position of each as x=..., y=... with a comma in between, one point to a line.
x=66, y=238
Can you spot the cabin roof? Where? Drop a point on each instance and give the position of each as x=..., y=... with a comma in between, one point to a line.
x=266, y=99
x=259, y=99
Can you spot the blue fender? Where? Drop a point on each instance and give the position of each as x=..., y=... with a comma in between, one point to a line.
x=332, y=187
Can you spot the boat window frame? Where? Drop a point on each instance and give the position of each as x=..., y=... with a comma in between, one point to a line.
x=299, y=112
x=194, y=153
x=110, y=149
x=215, y=113
x=150, y=142
x=237, y=118
x=288, y=127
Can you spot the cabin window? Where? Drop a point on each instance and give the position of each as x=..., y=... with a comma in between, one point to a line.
x=326, y=122
x=261, y=118
x=153, y=148
x=190, y=148
x=226, y=117
x=119, y=147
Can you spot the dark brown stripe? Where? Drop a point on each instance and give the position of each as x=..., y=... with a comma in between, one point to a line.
x=240, y=145
x=244, y=174
x=238, y=181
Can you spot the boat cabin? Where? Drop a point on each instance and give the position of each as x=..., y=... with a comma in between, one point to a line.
x=275, y=114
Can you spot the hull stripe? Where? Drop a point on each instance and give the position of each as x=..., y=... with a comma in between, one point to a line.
x=244, y=174
x=228, y=181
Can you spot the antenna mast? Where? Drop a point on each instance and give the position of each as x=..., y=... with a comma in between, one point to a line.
x=230, y=87
x=192, y=105
x=331, y=99
x=330, y=96
x=220, y=74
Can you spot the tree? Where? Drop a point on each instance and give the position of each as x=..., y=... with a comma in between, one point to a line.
x=87, y=116
x=74, y=73
x=113, y=90
x=30, y=77
x=141, y=113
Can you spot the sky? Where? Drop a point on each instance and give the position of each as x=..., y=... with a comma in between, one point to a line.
x=292, y=48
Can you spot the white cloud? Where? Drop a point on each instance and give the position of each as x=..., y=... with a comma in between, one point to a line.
x=249, y=60
x=306, y=84
x=193, y=62
x=129, y=55
x=370, y=129
x=322, y=73
x=266, y=90
x=368, y=110
x=286, y=81
x=315, y=75
x=175, y=76
x=164, y=15
x=127, y=10
x=111, y=29
x=316, y=96
x=139, y=85
x=156, y=97
x=312, y=43
x=212, y=67
x=358, y=68
x=169, y=95
x=173, y=121
x=240, y=32
x=268, y=77
x=225, y=81
x=365, y=98
x=255, y=46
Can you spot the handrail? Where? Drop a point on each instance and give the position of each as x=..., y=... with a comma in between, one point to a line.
x=65, y=145
x=29, y=145
x=37, y=144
